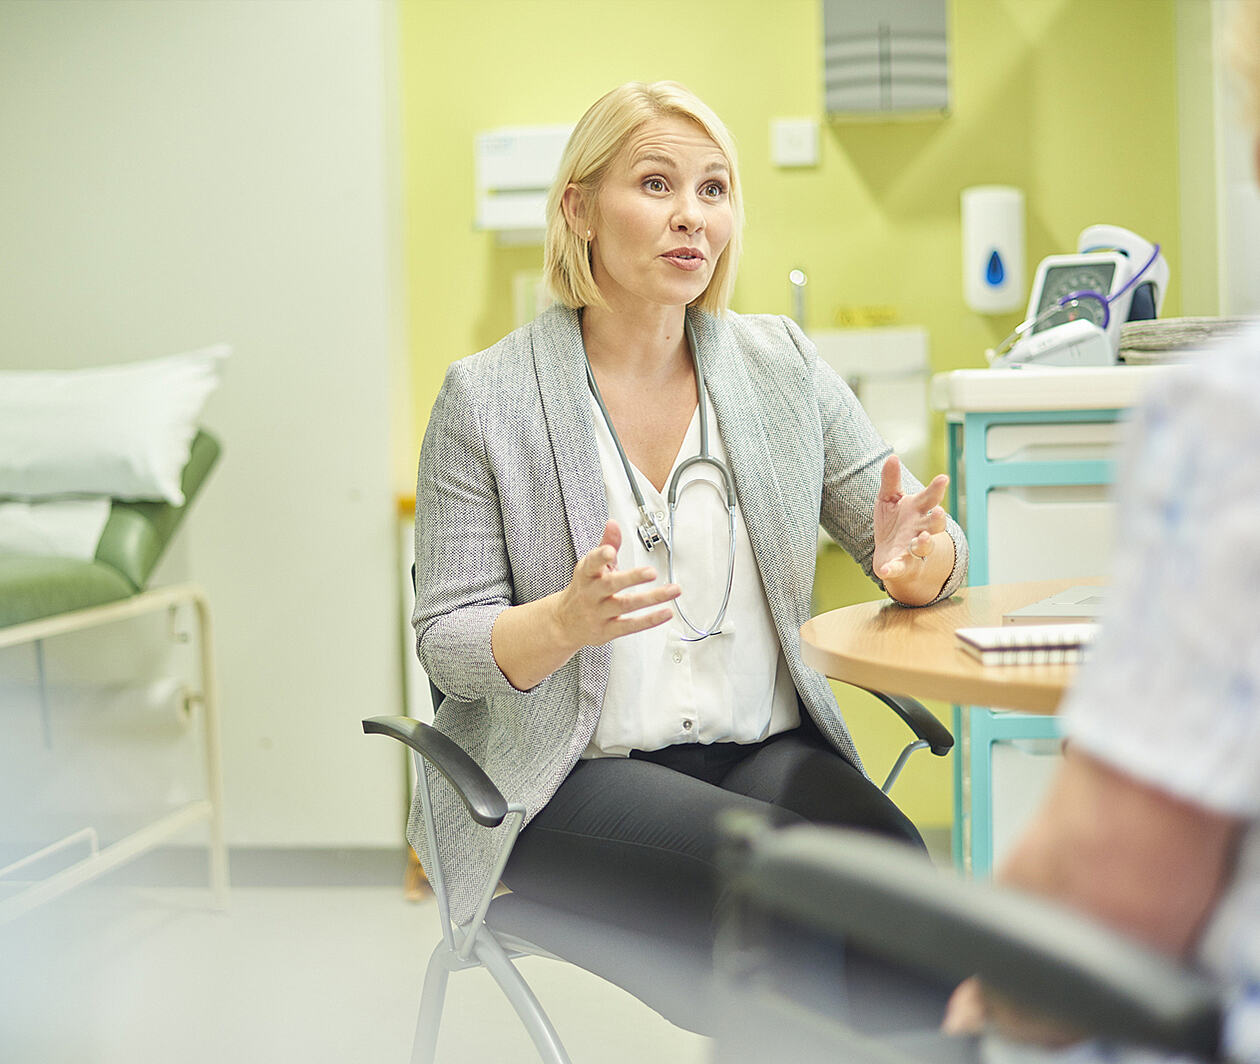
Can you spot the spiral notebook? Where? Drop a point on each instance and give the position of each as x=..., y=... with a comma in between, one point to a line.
x=1027, y=644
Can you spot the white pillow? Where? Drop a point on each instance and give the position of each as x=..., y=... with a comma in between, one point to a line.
x=64, y=528
x=121, y=431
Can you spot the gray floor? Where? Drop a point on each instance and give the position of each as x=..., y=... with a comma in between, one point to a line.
x=318, y=958
x=117, y=973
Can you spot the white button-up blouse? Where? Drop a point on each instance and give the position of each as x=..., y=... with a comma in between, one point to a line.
x=663, y=689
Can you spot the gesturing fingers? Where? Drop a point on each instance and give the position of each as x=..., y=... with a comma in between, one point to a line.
x=616, y=581
x=598, y=562
x=930, y=497
x=603, y=603
x=603, y=557
x=915, y=554
x=632, y=613
x=620, y=599
x=890, y=479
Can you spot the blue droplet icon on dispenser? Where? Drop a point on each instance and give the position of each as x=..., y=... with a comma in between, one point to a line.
x=995, y=272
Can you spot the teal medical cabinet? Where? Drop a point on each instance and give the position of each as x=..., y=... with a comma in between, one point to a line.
x=1031, y=455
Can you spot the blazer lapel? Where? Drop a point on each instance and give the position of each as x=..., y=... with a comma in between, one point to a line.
x=559, y=363
x=737, y=408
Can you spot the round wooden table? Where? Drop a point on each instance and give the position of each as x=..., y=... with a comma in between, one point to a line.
x=884, y=646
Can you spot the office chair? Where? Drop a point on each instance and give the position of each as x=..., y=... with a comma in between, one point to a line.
x=1065, y=966
x=672, y=977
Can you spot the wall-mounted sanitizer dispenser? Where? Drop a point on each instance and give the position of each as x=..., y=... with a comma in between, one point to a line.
x=993, y=249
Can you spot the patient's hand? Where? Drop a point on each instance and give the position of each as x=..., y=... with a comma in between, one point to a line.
x=973, y=1010
x=965, y=1012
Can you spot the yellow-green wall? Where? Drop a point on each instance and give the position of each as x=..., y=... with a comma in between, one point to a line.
x=1074, y=101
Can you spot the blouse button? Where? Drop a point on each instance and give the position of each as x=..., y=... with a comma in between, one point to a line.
x=686, y=725
x=677, y=657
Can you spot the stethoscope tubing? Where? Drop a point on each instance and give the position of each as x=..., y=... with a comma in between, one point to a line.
x=649, y=531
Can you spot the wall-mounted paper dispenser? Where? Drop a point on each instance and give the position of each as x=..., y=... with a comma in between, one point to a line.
x=514, y=170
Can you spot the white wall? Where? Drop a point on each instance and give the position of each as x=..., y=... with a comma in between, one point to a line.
x=1220, y=204
x=1238, y=201
x=173, y=174
x=1198, y=272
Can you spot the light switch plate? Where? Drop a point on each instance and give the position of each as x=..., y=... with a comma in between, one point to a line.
x=794, y=141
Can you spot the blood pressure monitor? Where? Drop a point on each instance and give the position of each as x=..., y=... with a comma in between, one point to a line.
x=1115, y=276
x=1057, y=276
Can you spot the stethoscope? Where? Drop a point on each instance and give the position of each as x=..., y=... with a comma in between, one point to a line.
x=650, y=534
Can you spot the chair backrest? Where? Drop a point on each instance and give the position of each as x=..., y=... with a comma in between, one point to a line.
x=137, y=533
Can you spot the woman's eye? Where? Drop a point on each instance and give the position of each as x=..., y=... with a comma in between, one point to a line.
x=715, y=190
x=654, y=184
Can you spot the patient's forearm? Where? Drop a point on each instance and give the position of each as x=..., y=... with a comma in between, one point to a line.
x=1147, y=863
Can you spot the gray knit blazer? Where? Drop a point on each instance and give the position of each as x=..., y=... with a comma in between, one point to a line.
x=510, y=495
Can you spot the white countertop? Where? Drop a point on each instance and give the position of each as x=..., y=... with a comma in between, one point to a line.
x=1046, y=387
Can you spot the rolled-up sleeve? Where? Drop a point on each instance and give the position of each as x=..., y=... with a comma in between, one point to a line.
x=463, y=576
x=1171, y=694
x=854, y=454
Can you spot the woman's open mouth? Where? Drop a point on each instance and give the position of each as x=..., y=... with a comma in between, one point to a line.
x=685, y=258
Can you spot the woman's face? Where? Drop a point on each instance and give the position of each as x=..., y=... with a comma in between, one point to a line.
x=664, y=216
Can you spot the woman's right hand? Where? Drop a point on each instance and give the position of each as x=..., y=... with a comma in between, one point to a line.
x=601, y=603
x=532, y=640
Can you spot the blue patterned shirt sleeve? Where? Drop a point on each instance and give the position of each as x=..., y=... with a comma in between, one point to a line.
x=1172, y=692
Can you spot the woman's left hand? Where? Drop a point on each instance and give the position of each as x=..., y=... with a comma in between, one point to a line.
x=905, y=527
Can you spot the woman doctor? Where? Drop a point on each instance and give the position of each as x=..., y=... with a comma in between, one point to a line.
x=629, y=695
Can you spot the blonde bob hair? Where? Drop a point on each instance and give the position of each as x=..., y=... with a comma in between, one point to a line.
x=594, y=145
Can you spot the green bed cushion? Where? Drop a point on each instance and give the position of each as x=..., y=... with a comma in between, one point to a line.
x=137, y=533
x=33, y=586
x=134, y=538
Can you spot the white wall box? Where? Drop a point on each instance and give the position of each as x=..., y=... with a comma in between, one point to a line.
x=514, y=168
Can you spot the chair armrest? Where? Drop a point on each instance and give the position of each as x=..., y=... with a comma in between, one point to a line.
x=484, y=800
x=920, y=720
x=1050, y=959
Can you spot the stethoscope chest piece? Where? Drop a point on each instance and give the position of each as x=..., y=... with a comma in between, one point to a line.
x=650, y=534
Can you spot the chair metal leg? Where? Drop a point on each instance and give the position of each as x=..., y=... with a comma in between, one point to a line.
x=432, y=998
x=527, y=1007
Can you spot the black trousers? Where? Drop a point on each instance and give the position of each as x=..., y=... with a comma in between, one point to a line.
x=634, y=841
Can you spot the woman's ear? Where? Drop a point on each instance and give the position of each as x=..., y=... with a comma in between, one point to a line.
x=573, y=202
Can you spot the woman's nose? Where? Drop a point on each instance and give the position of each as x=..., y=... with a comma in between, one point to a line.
x=688, y=217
